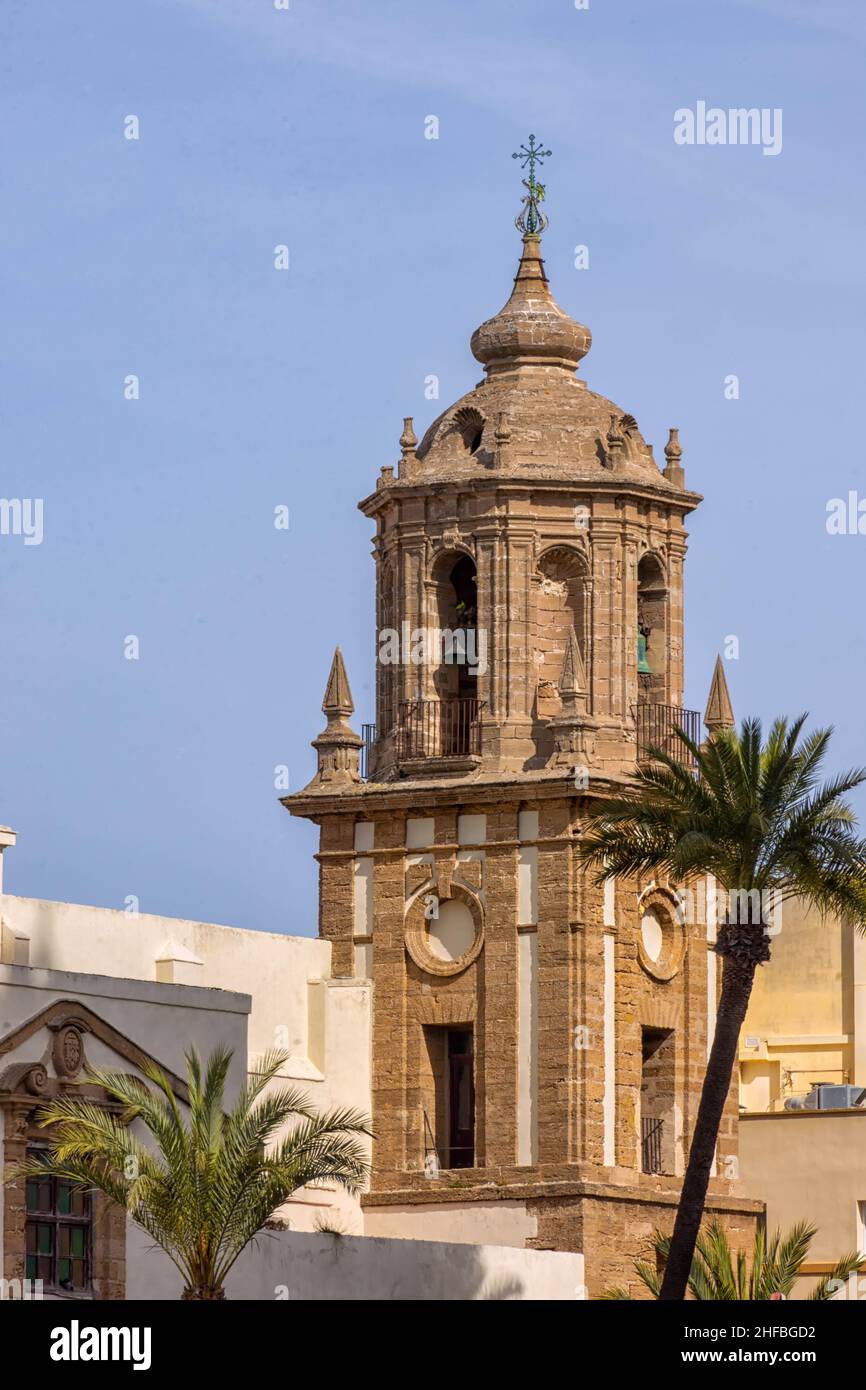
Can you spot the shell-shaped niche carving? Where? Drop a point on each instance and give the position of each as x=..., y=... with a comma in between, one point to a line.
x=470, y=423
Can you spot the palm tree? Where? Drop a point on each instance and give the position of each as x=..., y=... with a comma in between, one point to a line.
x=754, y=815
x=717, y=1276
x=204, y=1186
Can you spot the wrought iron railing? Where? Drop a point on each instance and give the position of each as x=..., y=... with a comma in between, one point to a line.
x=657, y=726
x=368, y=734
x=449, y=728
x=651, y=1145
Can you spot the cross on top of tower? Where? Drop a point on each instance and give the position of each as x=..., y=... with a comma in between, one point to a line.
x=531, y=221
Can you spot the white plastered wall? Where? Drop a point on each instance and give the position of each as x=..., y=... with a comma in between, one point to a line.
x=323, y=1023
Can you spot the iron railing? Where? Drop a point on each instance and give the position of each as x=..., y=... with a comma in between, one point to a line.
x=368, y=734
x=656, y=727
x=651, y=1145
x=449, y=728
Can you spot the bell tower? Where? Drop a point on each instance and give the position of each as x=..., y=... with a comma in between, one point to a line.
x=531, y=509
x=538, y=1041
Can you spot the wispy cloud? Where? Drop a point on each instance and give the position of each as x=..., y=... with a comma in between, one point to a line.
x=447, y=52
x=422, y=49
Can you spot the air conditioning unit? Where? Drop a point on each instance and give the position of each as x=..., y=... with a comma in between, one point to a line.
x=828, y=1095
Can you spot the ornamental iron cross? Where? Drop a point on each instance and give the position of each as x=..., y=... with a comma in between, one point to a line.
x=530, y=218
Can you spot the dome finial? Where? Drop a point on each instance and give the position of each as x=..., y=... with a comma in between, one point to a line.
x=531, y=221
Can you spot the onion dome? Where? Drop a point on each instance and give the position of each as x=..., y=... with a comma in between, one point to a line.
x=531, y=329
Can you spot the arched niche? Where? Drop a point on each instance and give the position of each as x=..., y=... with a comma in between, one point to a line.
x=652, y=636
x=455, y=619
x=386, y=671
x=561, y=602
x=470, y=426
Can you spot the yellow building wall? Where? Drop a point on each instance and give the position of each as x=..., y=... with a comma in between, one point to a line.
x=800, y=1026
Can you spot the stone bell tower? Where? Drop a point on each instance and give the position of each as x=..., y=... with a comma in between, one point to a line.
x=538, y=1041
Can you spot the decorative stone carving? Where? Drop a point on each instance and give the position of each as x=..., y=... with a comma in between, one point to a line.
x=18, y=1122
x=408, y=444
x=615, y=444
x=661, y=1015
x=719, y=713
x=67, y=1053
x=444, y=872
x=661, y=936
x=436, y=1010
x=674, y=471
x=421, y=920
x=338, y=746
x=502, y=439
x=36, y=1080
x=573, y=731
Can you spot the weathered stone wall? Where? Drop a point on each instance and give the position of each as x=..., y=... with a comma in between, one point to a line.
x=582, y=1138
x=524, y=541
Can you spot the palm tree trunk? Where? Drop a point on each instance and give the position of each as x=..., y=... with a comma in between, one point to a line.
x=737, y=978
x=201, y=1294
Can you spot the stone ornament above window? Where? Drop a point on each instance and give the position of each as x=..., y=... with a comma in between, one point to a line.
x=444, y=934
x=661, y=937
x=67, y=1052
x=36, y=1080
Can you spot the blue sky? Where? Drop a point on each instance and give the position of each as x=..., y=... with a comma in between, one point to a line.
x=155, y=777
